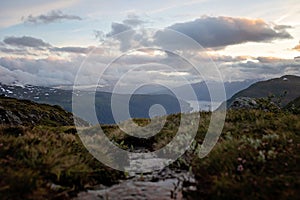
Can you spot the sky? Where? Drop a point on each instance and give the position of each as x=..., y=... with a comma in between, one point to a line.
x=138, y=41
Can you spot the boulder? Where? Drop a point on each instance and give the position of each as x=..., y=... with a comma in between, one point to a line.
x=244, y=103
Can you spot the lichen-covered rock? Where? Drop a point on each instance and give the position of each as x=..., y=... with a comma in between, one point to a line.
x=254, y=103
x=244, y=102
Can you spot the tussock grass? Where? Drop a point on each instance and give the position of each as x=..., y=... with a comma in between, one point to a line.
x=45, y=162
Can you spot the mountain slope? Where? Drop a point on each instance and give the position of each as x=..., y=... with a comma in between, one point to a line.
x=295, y=103
x=28, y=113
x=294, y=106
x=286, y=86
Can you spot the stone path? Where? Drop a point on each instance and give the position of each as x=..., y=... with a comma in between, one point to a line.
x=165, y=184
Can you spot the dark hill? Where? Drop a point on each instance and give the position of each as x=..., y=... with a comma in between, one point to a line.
x=288, y=86
x=28, y=113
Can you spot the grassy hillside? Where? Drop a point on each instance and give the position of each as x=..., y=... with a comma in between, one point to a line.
x=256, y=157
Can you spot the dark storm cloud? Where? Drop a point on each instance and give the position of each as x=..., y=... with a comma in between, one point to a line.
x=53, y=16
x=223, y=31
x=25, y=41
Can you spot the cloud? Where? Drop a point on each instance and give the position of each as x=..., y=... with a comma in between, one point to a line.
x=215, y=32
x=223, y=31
x=297, y=47
x=133, y=20
x=210, y=32
x=271, y=59
x=17, y=51
x=100, y=35
x=282, y=27
x=117, y=28
x=278, y=68
x=122, y=33
x=127, y=28
x=127, y=24
x=47, y=71
x=82, y=50
x=25, y=41
x=9, y=77
x=262, y=68
x=58, y=70
x=19, y=46
x=53, y=16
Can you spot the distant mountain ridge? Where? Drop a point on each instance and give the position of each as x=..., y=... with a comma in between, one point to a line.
x=139, y=104
x=200, y=88
x=202, y=92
